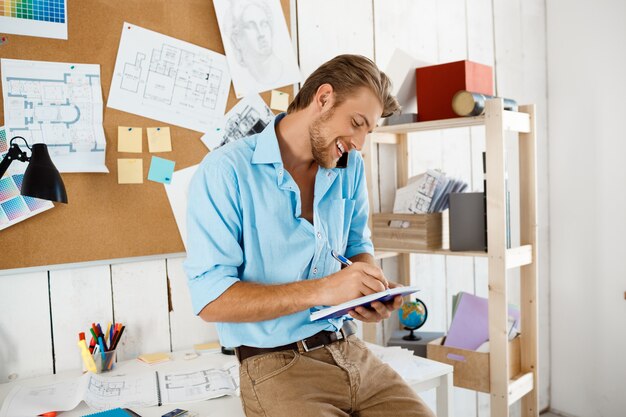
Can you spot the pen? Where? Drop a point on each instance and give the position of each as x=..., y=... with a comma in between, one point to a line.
x=345, y=261
x=102, y=350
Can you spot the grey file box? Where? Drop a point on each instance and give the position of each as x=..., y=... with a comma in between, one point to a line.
x=467, y=222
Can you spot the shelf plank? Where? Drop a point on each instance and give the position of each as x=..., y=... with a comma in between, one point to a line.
x=515, y=257
x=384, y=255
x=520, y=386
x=401, y=248
x=520, y=256
x=516, y=122
x=512, y=121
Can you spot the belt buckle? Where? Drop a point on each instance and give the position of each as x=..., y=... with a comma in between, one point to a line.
x=306, y=347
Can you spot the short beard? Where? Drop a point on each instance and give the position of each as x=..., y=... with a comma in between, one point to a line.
x=322, y=153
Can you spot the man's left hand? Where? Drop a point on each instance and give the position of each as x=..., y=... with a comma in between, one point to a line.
x=379, y=311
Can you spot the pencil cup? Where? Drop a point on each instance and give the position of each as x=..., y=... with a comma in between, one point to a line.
x=106, y=362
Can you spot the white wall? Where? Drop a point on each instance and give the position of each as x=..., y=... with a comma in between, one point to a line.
x=508, y=34
x=586, y=79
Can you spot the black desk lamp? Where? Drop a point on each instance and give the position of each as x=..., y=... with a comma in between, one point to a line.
x=41, y=179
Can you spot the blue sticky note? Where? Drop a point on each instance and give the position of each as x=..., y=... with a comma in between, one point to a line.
x=161, y=170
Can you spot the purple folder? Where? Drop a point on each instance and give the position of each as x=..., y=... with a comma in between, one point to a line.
x=470, y=325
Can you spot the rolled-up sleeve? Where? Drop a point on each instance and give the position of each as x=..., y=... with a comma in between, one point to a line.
x=214, y=252
x=359, y=237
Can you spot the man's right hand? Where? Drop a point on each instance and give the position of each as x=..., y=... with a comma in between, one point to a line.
x=352, y=282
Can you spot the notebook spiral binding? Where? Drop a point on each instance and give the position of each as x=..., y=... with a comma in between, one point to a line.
x=158, y=388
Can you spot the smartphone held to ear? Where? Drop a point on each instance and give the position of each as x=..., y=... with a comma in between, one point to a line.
x=343, y=161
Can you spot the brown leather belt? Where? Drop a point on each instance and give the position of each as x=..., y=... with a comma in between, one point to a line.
x=317, y=341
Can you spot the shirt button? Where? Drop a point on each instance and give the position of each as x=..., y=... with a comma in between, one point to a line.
x=319, y=235
x=315, y=270
x=280, y=172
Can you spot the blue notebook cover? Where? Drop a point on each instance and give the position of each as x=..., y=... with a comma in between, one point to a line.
x=114, y=412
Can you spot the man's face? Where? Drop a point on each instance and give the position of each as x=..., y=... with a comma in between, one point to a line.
x=256, y=33
x=344, y=127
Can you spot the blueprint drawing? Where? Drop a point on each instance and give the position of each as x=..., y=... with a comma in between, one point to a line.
x=169, y=80
x=246, y=118
x=59, y=104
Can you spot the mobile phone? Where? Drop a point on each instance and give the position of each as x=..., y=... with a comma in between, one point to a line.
x=175, y=413
x=343, y=161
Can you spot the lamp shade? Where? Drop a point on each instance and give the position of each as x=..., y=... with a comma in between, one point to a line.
x=41, y=179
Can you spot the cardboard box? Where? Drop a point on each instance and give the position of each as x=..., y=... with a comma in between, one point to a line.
x=437, y=84
x=393, y=231
x=471, y=368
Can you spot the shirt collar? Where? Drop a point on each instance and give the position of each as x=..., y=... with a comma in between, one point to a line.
x=267, y=151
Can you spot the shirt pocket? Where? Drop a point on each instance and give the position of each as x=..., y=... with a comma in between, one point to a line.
x=340, y=218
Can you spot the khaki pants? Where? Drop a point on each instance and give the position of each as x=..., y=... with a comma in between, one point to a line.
x=342, y=379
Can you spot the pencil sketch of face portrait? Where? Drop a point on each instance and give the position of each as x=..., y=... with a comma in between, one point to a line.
x=252, y=36
x=257, y=44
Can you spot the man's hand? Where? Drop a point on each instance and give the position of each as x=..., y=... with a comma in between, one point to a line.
x=379, y=311
x=352, y=282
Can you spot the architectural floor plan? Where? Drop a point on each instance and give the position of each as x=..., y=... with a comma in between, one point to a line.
x=59, y=104
x=169, y=80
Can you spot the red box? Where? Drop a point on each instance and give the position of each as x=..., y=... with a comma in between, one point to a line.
x=437, y=84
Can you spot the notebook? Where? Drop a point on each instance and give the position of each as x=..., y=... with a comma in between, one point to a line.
x=365, y=301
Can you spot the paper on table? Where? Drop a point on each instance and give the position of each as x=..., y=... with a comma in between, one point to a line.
x=196, y=385
x=59, y=104
x=129, y=139
x=406, y=364
x=130, y=171
x=32, y=401
x=279, y=100
x=177, y=192
x=161, y=170
x=159, y=139
x=246, y=118
x=167, y=79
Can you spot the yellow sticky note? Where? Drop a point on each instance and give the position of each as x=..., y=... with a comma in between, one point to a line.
x=129, y=139
x=152, y=358
x=130, y=171
x=279, y=100
x=159, y=139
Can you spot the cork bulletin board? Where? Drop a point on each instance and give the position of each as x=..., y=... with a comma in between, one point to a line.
x=104, y=219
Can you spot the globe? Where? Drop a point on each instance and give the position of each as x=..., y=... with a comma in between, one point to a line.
x=413, y=315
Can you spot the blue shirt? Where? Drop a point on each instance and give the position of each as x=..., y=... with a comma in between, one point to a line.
x=244, y=224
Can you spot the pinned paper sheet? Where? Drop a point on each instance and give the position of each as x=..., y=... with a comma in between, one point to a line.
x=129, y=139
x=161, y=170
x=279, y=100
x=159, y=139
x=177, y=193
x=130, y=171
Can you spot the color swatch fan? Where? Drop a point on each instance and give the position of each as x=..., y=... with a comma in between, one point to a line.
x=43, y=18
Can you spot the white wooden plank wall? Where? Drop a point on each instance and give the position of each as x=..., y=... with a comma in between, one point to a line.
x=25, y=335
x=40, y=317
x=78, y=297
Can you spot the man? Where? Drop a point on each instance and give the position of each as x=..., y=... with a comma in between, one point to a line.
x=264, y=214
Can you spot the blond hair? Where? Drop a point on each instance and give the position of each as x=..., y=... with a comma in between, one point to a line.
x=347, y=73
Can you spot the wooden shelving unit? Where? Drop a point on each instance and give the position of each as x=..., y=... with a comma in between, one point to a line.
x=504, y=389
